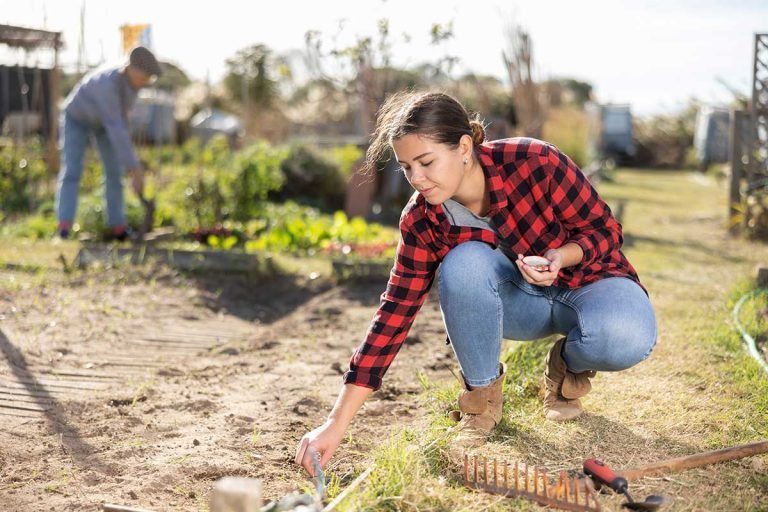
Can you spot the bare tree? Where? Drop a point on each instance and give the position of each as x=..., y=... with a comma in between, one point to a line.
x=530, y=109
x=364, y=70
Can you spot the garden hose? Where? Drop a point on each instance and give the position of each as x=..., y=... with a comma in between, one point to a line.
x=749, y=340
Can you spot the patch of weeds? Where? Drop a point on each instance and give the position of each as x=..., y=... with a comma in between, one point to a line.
x=60, y=486
x=180, y=459
x=135, y=443
x=759, y=481
x=255, y=436
x=185, y=492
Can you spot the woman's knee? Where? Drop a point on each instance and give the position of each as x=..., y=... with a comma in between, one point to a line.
x=467, y=268
x=612, y=348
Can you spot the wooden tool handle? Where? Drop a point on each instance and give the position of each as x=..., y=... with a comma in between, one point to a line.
x=696, y=460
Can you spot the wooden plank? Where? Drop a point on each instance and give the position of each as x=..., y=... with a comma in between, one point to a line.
x=20, y=414
x=129, y=364
x=167, y=344
x=4, y=390
x=162, y=349
x=75, y=373
x=45, y=383
x=29, y=399
x=6, y=404
x=174, y=330
x=176, y=339
x=97, y=360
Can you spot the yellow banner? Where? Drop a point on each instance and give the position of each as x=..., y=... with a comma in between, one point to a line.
x=133, y=36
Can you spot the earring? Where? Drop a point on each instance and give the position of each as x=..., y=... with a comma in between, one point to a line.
x=465, y=161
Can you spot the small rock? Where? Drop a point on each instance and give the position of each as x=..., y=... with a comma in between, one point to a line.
x=196, y=442
x=132, y=495
x=412, y=340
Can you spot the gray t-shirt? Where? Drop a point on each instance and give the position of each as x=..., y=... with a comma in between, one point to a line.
x=460, y=215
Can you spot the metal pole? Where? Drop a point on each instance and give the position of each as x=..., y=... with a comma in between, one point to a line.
x=53, y=131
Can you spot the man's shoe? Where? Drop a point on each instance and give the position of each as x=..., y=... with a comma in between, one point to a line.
x=64, y=228
x=118, y=234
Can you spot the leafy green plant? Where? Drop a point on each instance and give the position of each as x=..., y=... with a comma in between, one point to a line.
x=303, y=230
x=23, y=174
x=210, y=185
x=312, y=177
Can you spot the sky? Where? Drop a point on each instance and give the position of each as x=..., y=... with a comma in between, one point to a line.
x=652, y=54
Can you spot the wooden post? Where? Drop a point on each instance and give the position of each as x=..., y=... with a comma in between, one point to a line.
x=762, y=277
x=360, y=193
x=236, y=494
x=53, y=122
x=736, y=146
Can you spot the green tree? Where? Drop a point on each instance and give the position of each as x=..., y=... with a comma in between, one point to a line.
x=251, y=76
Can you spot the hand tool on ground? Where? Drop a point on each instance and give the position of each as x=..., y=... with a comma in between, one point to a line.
x=149, y=217
x=561, y=494
x=695, y=461
x=319, y=476
x=601, y=473
x=303, y=502
x=530, y=482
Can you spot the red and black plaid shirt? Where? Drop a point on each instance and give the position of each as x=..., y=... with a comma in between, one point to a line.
x=539, y=199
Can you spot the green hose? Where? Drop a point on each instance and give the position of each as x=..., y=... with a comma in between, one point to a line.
x=750, y=341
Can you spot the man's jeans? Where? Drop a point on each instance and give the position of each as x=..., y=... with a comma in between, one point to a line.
x=74, y=141
x=610, y=324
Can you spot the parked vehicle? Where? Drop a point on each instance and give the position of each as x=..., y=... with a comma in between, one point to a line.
x=610, y=133
x=152, y=118
x=710, y=136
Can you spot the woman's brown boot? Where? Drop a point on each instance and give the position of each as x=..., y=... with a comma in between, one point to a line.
x=479, y=412
x=563, y=388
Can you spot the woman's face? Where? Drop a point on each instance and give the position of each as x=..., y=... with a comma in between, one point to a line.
x=433, y=169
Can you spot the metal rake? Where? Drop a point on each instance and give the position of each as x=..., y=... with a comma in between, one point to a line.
x=529, y=482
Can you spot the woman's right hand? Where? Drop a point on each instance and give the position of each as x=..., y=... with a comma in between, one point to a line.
x=325, y=439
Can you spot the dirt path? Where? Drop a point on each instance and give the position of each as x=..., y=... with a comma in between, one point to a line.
x=151, y=386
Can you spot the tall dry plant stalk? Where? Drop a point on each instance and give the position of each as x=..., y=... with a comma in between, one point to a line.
x=530, y=108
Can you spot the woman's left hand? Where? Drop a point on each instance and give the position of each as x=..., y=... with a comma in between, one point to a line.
x=542, y=278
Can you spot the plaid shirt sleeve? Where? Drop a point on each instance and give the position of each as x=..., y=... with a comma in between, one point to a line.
x=409, y=281
x=581, y=210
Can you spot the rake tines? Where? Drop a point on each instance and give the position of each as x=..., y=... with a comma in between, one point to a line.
x=531, y=483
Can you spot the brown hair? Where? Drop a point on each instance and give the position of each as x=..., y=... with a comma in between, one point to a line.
x=435, y=115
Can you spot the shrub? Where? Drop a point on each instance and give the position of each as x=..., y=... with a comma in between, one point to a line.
x=214, y=185
x=664, y=140
x=23, y=175
x=312, y=178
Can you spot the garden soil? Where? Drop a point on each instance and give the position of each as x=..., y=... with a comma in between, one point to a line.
x=149, y=385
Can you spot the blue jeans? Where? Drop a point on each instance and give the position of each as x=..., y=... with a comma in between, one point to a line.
x=609, y=325
x=74, y=141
